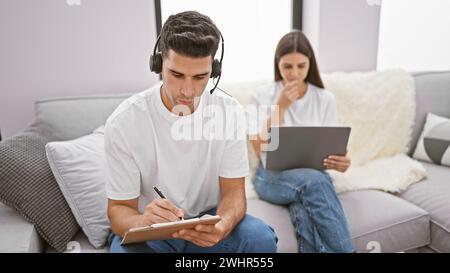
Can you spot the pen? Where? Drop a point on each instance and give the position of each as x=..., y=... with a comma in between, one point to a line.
x=162, y=196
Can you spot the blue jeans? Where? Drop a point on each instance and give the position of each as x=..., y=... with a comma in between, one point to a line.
x=315, y=210
x=251, y=235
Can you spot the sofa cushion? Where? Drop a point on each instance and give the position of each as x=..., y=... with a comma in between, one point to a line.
x=375, y=219
x=279, y=219
x=433, y=195
x=424, y=249
x=16, y=234
x=80, y=244
x=28, y=186
x=72, y=117
x=432, y=95
x=384, y=222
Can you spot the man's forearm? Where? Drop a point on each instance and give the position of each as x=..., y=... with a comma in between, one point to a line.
x=232, y=209
x=123, y=218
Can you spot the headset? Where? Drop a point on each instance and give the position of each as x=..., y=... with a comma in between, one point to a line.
x=216, y=72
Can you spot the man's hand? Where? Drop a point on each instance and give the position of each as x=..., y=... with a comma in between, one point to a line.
x=338, y=163
x=206, y=235
x=161, y=211
x=231, y=209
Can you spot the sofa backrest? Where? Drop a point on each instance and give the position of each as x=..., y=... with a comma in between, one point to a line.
x=432, y=95
x=66, y=118
x=72, y=117
x=60, y=119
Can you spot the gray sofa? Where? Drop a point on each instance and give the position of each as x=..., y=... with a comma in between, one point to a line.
x=417, y=220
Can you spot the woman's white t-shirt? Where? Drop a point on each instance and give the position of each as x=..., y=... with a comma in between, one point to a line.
x=144, y=147
x=316, y=108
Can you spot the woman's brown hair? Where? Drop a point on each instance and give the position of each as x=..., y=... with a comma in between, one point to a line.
x=296, y=42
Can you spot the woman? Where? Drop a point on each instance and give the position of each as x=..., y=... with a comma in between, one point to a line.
x=299, y=93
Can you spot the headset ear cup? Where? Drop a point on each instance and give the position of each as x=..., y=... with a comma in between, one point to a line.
x=156, y=63
x=216, y=69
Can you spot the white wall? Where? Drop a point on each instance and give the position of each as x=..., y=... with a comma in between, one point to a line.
x=415, y=35
x=49, y=48
x=251, y=29
x=311, y=22
x=344, y=33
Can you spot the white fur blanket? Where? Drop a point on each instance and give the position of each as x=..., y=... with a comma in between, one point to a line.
x=380, y=109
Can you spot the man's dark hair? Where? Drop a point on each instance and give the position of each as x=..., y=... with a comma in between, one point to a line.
x=190, y=33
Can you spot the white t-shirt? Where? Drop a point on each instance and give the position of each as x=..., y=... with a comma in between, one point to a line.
x=316, y=108
x=146, y=145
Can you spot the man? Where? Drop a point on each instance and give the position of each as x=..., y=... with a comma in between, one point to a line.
x=146, y=145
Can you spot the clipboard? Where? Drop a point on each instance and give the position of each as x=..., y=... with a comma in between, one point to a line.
x=163, y=231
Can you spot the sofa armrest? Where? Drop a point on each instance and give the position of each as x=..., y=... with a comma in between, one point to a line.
x=16, y=234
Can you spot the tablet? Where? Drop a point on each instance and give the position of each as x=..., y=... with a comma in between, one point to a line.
x=306, y=147
x=163, y=231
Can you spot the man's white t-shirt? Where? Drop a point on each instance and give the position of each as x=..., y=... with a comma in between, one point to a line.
x=146, y=145
x=316, y=108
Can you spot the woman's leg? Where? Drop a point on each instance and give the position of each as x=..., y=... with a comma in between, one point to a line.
x=307, y=235
x=309, y=193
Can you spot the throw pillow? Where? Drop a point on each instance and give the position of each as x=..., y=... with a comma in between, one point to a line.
x=27, y=185
x=434, y=142
x=78, y=168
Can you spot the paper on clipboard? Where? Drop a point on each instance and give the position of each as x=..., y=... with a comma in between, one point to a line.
x=163, y=231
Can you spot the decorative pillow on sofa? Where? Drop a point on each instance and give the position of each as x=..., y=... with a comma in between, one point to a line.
x=27, y=185
x=434, y=142
x=78, y=167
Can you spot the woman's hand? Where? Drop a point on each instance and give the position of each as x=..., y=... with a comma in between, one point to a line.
x=289, y=94
x=338, y=163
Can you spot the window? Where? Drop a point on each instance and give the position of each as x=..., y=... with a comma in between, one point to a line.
x=414, y=35
x=251, y=31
